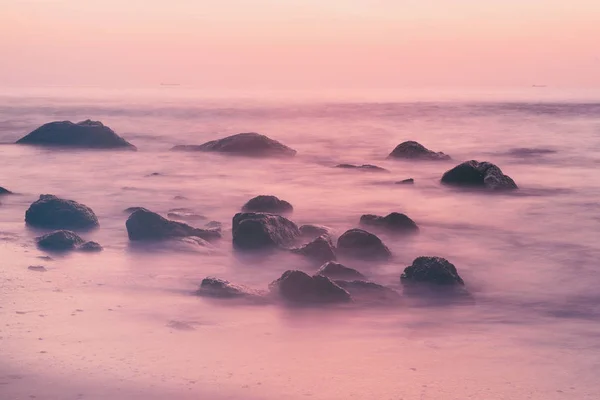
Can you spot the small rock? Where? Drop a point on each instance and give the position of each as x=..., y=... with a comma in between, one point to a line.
x=431, y=270
x=268, y=204
x=335, y=270
x=4, y=191
x=243, y=144
x=298, y=287
x=409, y=181
x=314, y=231
x=219, y=288
x=363, y=291
x=479, y=174
x=394, y=222
x=364, y=245
x=52, y=212
x=147, y=225
x=364, y=167
x=59, y=241
x=412, y=150
x=38, y=268
x=320, y=250
x=255, y=231
x=91, y=247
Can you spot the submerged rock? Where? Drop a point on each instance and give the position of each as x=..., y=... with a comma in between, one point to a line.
x=364, y=245
x=147, y=225
x=431, y=270
x=364, y=167
x=394, y=222
x=4, y=191
x=335, y=270
x=314, y=231
x=37, y=268
x=479, y=174
x=219, y=288
x=529, y=152
x=255, y=231
x=267, y=204
x=131, y=210
x=214, y=225
x=409, y=181
x=53, y=212
x=85, y=134
x=64, y=240
x=185, y=214
x=243, y=144
x=299, y=287
x=412, y=150
x=320, y=250
x=363, y=291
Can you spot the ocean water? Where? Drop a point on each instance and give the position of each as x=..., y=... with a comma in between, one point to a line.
x=124, y=324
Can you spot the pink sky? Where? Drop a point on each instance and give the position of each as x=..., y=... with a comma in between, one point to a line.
x=272, y=44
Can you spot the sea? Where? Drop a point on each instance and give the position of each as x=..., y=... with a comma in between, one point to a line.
x=125, y=323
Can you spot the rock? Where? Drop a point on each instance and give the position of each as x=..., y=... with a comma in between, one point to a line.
x=364, y=167
x=409, y=181
x=214, y=225
x=431, y=270
x=298, y=287
x=243, y=144
x=529, y=152
x=335, y=270
x=361, y=244
x=320, y=250
x=4, y=191
x=478, y=174
x=219, y=288
x=90, y=247
x=254, y=231
x=363, y=291
x=412, y=150
x=147, y=225
x=59, y=241
x=37, y=268
x=154, y=174
x=55, y=213
x=179, y=198
x=185, y=214
x=394, y=222
x=267, y=204
x=131, y=210
x=314, y=231
x=85, y=134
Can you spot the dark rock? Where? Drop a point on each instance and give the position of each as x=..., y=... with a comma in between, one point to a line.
x=90, y=247
x=478, y=174
x=529, y=152
x=219, y=288
x=394, y=222
x=412, y=150
x=314, y=231
x=56, y=213
x=214, y=225
x=334, y=270
x=85, y=134
x=267, y=204
x=369, y=292
x=59, y=241
x=4, y=191
x=38, y=268
x=431, y=270
x=320, y=250
x=409, y=181
x=179, y=198
x=298, y=287
x=364, y=167
x=361, y=244
x=243, y=144
x=147, y=225
x=254, y=231
x=154, y=174
x=131, y=210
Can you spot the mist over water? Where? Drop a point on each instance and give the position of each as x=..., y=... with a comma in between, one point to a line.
x=124, y=323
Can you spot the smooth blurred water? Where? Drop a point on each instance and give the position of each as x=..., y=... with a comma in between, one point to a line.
x=530, y=258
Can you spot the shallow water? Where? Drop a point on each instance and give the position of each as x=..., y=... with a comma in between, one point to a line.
x=529, y=258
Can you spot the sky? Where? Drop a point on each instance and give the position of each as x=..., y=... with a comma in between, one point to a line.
x=290, y=44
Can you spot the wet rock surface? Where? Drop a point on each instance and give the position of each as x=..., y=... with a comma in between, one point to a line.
x=147, y=225
x=222, y=289
x=298, y=287
x=52, y=212
x=319, y=250
x=393, y=222
x=364, y=167
x=335, y=270
x=479, y=174
x=256, y=231
x=412, y=150
x=358, y=243
x=243, y=144
x=64, y=240
x=267, y=204
x=431, y=270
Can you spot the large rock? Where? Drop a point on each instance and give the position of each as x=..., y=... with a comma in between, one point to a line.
x=219, y=288
x=52, y=212
x=412, y=150
x=364, y=245
x=364, y=167
x=4, y=191
x=335, y=270
x=243, y=144
x=147, y=225
x=479, y=174
x=267, y=204
x=394, y=222
x=85, y=134
x=320, y=250
x=363, y=291
x=255, y=231
x=64, y=240
x=431, y=270
x=299, y=287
